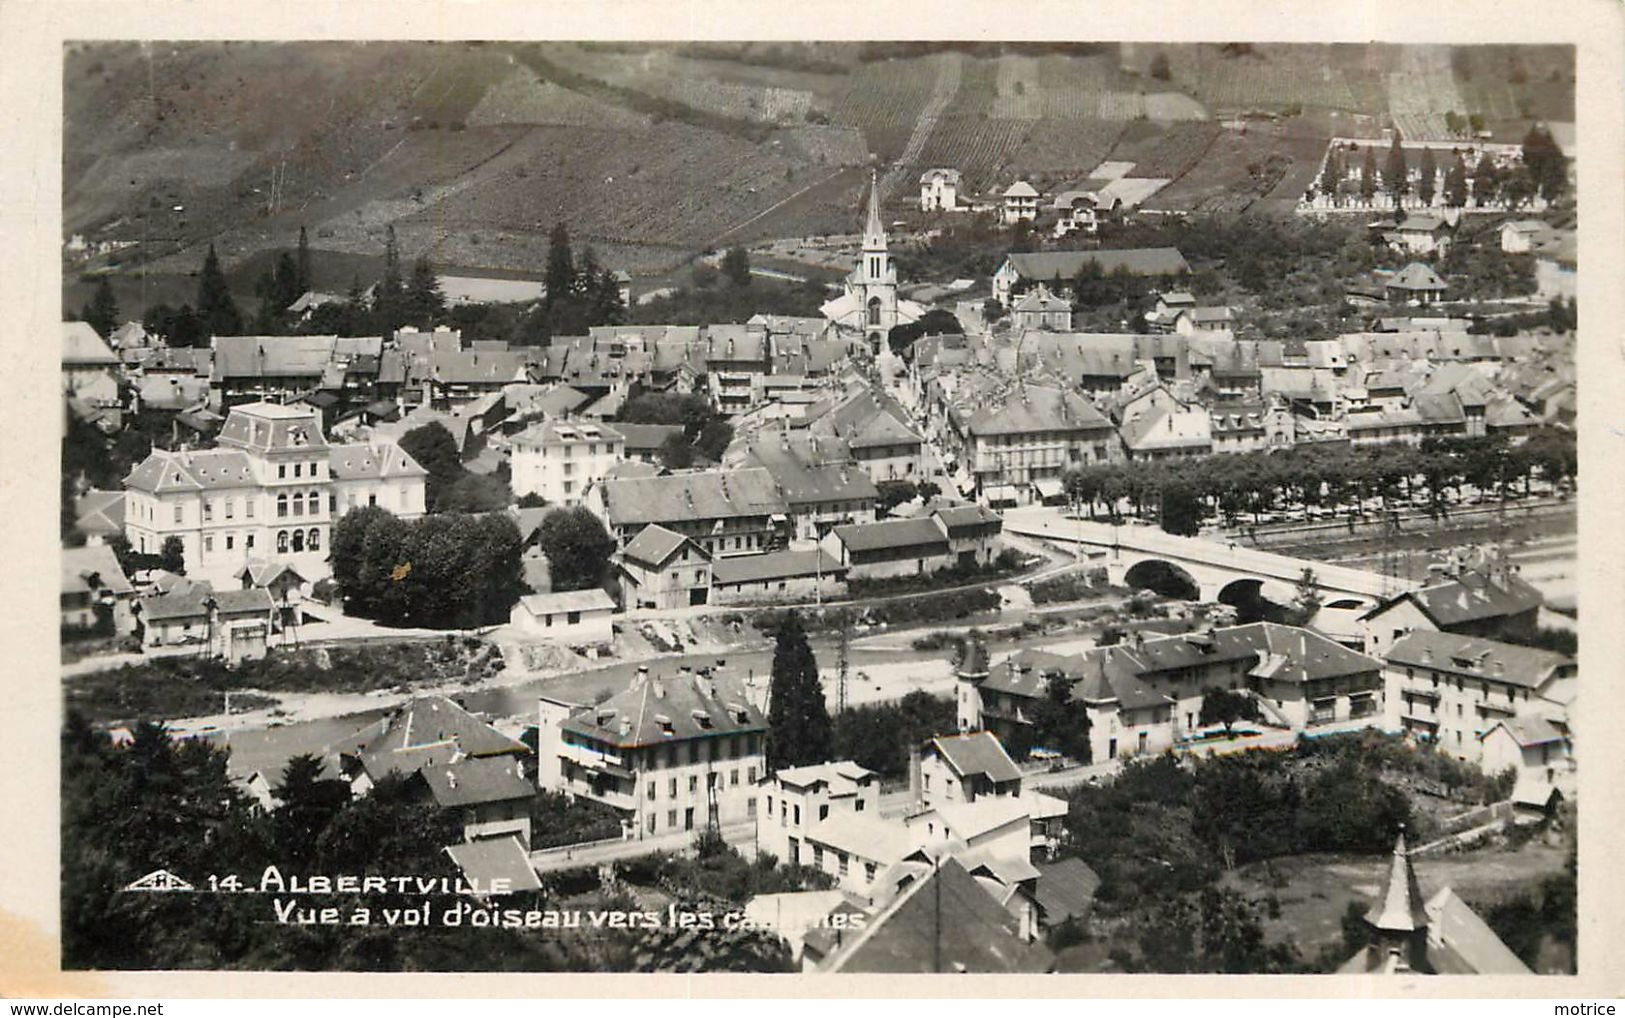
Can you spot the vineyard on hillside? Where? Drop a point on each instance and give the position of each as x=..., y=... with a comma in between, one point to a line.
x=1063, y=149
x=1167, y=151
x=523, y=98
x=976, y=148
x=884, y=100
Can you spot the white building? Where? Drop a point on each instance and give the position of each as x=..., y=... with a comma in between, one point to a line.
x=575, y=617
x=1020, y=203
x=560, y=459
x=869, y=303
x=88, y=366
x=272, y=488
x=939, y=190
x=672, y=754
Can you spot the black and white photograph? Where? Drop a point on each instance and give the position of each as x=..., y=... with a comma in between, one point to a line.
x=1010, y=506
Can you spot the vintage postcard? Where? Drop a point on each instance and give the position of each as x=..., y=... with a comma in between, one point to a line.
x=665, y=498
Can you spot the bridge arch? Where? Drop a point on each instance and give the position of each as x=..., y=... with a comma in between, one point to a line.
x=1163, y=577
x=1256, y=599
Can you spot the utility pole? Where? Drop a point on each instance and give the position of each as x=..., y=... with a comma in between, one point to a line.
x=843, y=646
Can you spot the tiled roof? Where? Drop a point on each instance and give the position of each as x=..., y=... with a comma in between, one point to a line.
x=100, y=513
x=83, y=345
x=428, y=731
x=1528, y=730
x=592, y=599
x=1034, y=409
x=670, y=709
x=891, y=534
x=1021, y=189
x=92, y=562
x=478, y=780
x=1476, y=657
x=1066, y=889
x=977, y=753
x=961, y=516
x=1416, y=276
x=188, y=603
x=775, y=565
x=654, y=544
x=206, y=469
x=488, y=860
x=480, y=367
x=707, y=495
x=1473, y=596
x=944, y=922
x=647, y=437
x=809, y=471
x=356, y=461
x=273, y=426
x=237, y=357
x=1462, y=943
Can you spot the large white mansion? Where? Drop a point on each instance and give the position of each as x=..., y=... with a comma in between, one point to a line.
x=271, y=491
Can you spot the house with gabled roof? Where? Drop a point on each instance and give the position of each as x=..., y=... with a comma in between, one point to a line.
x=89, y=366
x=660, y=568
x=1450, y=690
x=1416, y=282
x=1145, y=695
x=939, y=190
x=815, y=475
x=231, y=623
x=1060, y=267
x=965, y=767
x=943, y=921
x=672, y=752
x=459, y=761
x=95, y=587
x=726, y=512
x=1484, y=599
x=575, y=618
x=876, y=431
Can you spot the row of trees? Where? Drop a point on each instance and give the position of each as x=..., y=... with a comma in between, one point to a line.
x=1543, y=172
x=1183, y=493
x=451, y=570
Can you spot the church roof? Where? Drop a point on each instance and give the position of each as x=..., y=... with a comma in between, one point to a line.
x=1400, y=908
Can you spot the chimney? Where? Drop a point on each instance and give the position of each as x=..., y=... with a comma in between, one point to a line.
x=642, y=677
x=659, y=689
x=626, y=726
x=915, y=791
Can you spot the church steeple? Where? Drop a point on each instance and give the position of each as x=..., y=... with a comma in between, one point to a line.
x=874, y=234
x=1399, y=916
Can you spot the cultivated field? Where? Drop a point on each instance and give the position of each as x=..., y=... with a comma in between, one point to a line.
x=472, y=151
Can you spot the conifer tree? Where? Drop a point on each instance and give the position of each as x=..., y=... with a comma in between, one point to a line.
x=1396, y=171
x=387, y=299
x=1430, y=170
x=561, y=270
x=302, y=275
x=424, y=300
x=101, y=313
x=799, y=730
x=1455, y=184
x=1486, y=180
x=215, y=306
x=1368, y=175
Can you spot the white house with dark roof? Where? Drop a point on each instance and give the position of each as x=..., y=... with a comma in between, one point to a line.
x=1019, y=204
x=1465, y=601
x=816, y=476
x=1039, y=308
x=1450, y=690
x=560, y=459
x=965, y=768
x=672, y=752
x=1059, y=267
x=1416, y=283
x=576, y=618
x=662, y=569
x=1533, y=747
x=272, y=488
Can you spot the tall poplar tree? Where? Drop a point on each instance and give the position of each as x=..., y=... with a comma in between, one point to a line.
x=1396, y=171
x=799, y=730
x=1430, y=170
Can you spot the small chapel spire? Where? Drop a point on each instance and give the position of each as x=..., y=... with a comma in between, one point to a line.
x=1400, y=908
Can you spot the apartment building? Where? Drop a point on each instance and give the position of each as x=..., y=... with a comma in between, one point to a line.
x=560, y=459
x=672, y=753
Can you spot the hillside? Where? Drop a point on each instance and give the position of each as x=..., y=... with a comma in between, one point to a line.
x=654, y=153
